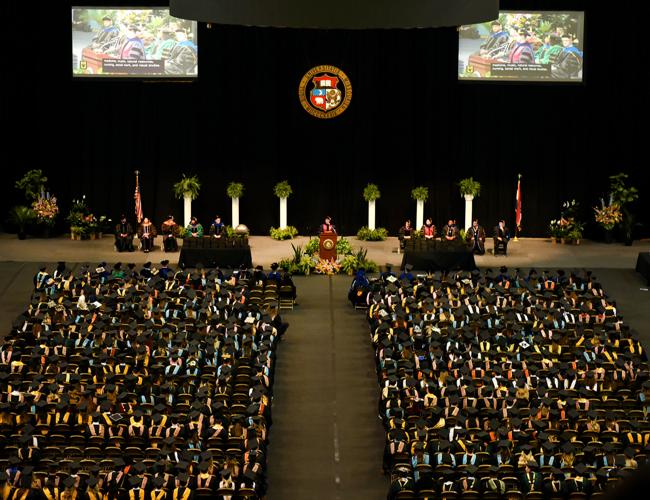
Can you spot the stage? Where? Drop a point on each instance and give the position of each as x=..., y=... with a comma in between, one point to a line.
x=527, y=252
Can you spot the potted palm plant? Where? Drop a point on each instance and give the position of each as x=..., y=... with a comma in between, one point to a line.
x=235, y=190
x=20, y=216
x=469, y=189
x=371, y=193
x=187, y=189
x=420, y=194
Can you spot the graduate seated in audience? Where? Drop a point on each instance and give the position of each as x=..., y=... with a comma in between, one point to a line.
x=492, y=372
x=163, y=379
x=169, y=231
x=146, y=235
x=124, y=235
x=359, y=288
x=275, y=274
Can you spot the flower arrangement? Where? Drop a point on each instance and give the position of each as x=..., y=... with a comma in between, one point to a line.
x=608, y=216
x=83, y=223
x=328, y=267
x=46, y=209
x=305, y=261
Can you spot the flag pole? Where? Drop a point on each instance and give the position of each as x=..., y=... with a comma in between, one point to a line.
x=137, y=201
x=517, y=210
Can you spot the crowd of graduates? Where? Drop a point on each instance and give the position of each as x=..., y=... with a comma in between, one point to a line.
x=139, y=384
x=506, y=385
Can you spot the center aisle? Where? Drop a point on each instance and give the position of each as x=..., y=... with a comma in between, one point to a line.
x=326, y=439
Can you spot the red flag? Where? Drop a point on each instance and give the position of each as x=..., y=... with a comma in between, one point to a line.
x=518, y=212
x=138, y=202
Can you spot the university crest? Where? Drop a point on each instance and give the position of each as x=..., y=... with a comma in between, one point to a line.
x=325, y=91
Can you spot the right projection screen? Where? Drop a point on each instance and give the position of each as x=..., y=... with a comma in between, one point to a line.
x=523, y=46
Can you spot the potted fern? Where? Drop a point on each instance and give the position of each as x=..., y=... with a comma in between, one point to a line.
x=235, y=190
x=371, y=193
x=187, y=189
x=420, y=194
x=622, y=195
x=469, y=189
x=283, y=190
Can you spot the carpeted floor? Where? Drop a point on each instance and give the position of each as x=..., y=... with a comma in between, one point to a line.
x=326, y=440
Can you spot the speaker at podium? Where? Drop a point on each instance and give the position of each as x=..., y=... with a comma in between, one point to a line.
x=328, y=239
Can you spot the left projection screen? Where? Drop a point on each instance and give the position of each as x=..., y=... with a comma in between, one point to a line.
x=133, y=43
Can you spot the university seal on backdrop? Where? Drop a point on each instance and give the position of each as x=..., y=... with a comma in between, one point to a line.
x=325, y=91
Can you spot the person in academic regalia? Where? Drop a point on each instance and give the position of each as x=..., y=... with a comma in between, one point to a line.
x=106, y=38
x=124, y=236
x=41, y=278
x=194, y=229
x=183, y=57
x=217, y=227
x=405, y=233
x=501, y=237
x=428, y=229
x=569, y=61
x=522, y=52
x=450, y=231
x=495, y=43
x=475, y=238
x=146, y=234
x=275, y=274
x=327, y=226
x=169, y=231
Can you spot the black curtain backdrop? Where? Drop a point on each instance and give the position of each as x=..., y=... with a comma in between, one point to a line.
x=410, y=123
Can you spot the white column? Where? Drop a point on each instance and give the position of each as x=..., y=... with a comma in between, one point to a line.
x=468, y=211
x=283, y=213
x=235, y=213
x=419, y=215
x=371, y=215
x=187, y=209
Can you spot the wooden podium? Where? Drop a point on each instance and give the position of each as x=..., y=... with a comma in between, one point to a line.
x=327, y=247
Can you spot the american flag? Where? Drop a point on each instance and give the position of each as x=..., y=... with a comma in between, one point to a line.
x=518, y=211
x=138, y=201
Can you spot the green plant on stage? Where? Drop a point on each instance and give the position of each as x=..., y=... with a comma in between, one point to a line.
x=343, y=247
x=470, y=187
x=33, y=184
x=359, y=260
x=312, y=246
x=366, y=234
x=235, y=190
x=20, y=216
x=371, y=192
x=623, y=195
x=420, y=193
x=287, y=233
x=461, y=234
x=282, y=189
x=187, y=186
x=229, y=231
